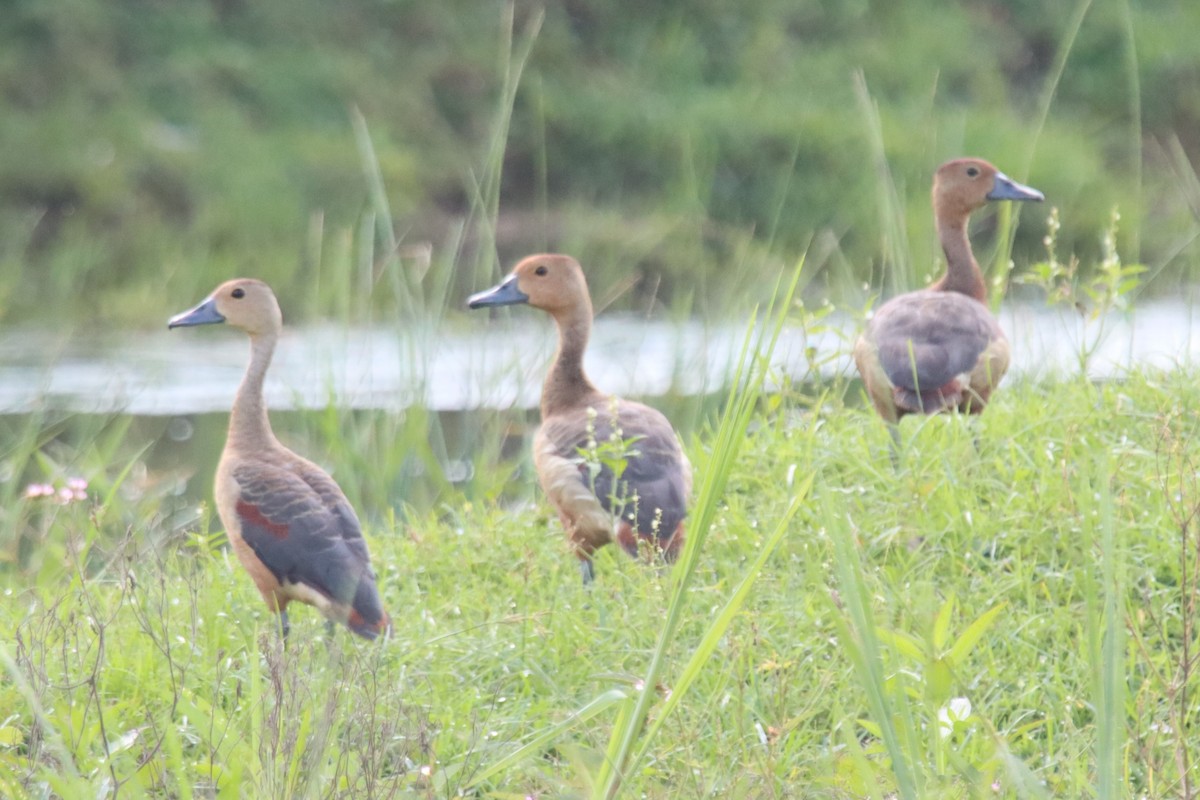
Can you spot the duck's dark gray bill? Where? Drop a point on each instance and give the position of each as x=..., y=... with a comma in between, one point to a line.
x=1005, y=188
x=203, y=314
x=505, y=294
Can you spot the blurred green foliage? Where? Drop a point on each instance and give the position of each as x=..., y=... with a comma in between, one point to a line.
x=150, y=149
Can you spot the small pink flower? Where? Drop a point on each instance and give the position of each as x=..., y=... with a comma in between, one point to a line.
x=65, y=495
x=78, y=487
x=35, y=490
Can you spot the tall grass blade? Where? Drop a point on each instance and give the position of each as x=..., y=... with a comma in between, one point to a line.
x=753, y=364
x=540, y=740
x=49, y=731
x=897, y=258
x=18, y=453
x=1107, y=638
x=1133, y=78
x=1065, y=45
x=374, y=178
x=860, y=639
x=119, y=481
x=485, y=187
x=723, y=619
x=1008, y=216
x=1022, y=778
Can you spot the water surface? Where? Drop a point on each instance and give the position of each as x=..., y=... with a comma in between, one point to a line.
x=499, y=363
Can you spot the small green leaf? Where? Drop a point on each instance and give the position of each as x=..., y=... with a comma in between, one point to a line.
x=971, y=636
x=939, y=681
x=941, y=625
x=906, y=644
x=870, y=727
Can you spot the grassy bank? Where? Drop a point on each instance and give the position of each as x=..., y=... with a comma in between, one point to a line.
x=1040, y=562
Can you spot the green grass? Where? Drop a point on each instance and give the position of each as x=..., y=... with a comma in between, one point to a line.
x=1040, y=562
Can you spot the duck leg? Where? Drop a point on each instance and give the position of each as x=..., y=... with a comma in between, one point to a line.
x=894, y=449
x=587, y=570
x=284, y=625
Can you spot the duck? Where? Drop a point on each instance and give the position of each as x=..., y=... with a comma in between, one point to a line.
x=941, y=349
x=287, y=520
x=585, y=432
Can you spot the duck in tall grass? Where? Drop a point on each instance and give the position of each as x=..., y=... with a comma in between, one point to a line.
x=288, y=521
x=941, y=348
x=611, y=467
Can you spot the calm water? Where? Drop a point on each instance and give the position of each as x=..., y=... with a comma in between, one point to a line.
x=499, y=364
x=177, y=386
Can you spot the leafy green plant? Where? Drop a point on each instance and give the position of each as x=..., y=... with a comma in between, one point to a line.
x=611, y=453
x=1096, y=297
x=938, y=658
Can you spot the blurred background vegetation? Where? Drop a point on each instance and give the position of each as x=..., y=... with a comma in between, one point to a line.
x=684, y=150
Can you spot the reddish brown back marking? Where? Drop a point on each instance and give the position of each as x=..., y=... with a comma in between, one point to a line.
x=251, y=513
x=673, y=545
x=360, y=626
x=627, y=538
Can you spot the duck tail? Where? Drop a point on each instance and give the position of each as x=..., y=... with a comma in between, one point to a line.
x=367, y=617
x=930, y=401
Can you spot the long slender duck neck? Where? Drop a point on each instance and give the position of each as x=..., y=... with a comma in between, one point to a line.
x=249, y=427
x=566, y=383
x=962, y=271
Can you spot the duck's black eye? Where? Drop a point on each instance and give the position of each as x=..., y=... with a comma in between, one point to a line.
x=541, y=270
x=972, y=171
x=238, y=293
